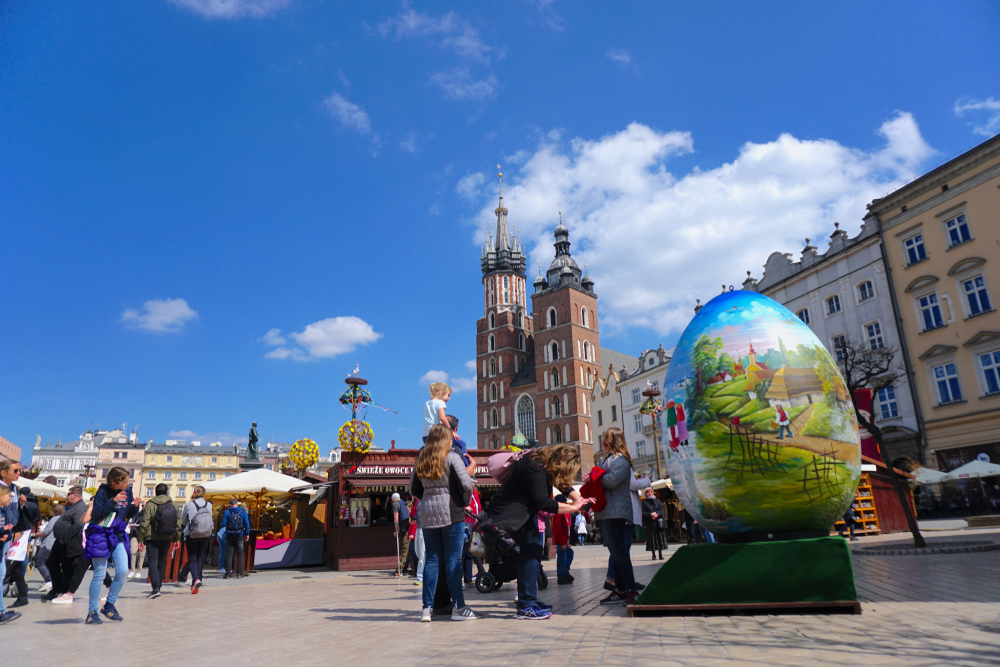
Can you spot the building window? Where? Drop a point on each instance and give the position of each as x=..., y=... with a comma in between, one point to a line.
x=874, y=331
x=170, y=459
x=635, y=396
x=181, y=491
x=556, y=407
x=168, y=475
x=637, y=422
x=493, y=320
x=866, y=291
x=104, y=472
x=656, y=385
x=887, y=402
x=151, y=475
x=930, y=311
x=552, y=317
x=976, y=296
x=492, y=343
x=211, y=476
x=197, y=477
x=600, y=418
x=803, y=315
x=555, y=379
x=839, y=344
x=990, y=363
x=558, y=434
x=229, y=474
x=215, y=460
x=493, y=366
x=520, y=322
x=520, y=342
x=149, y=492
x=526, y=417
x=958, y=231
x=640, y=448
x=833, y=305
x=494, y=418
x=914, y=247
x=614, y=413
x=493, y=391
x=182, y=475
x=946, y=380
x=583, y=317
x=586, y=350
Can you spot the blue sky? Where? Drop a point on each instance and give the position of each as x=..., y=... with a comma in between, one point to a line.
x=212, y=210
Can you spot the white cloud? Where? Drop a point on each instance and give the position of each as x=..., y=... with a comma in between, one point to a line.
x=990, y=106
x=348, y=113
x=435, y=209
x=233, y=9
x=322, y=340
x=161, y=316
x=274, y=337
x=469, y=185
x=471, y=365
x=410, y=143
x=458, y=84
x=620, y=56
x=457, y=384
x=653, y=242
x=448, y=31
x=225, y=437
x=550, y=19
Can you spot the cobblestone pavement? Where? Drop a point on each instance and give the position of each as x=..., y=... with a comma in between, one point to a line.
x=918, y=610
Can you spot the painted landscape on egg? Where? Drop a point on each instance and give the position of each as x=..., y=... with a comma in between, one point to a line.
x=759, y=431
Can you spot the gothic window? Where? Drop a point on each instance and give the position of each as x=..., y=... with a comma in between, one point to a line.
x=520, y=342
x=496, y=443
x=583, y=317
x=526, y=417
x=520, y=321
x=493, y=320
x=555, y=351
x=506, y=298
x=493, y=342
x=493, y=391
x=590, y=380
x=552, y=317
x=557, y=408
x=494, y=418
x=586, y=350
x=493, y=366
x=555, y=379
x=558, y=432
x=492, y=293
x=506, y=284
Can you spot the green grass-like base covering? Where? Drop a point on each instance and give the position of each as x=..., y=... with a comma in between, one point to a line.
x=813, y=570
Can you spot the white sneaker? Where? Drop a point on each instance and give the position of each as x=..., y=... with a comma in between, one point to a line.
x=130, y=575
x=104, y=598
x=46, y=587
x=464, y=614
x=65, y=598
x=425, y=615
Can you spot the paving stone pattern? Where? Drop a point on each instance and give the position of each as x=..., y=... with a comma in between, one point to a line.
x=918, y=610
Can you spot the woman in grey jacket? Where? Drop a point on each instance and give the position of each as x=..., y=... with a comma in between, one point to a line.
x=442, y=519
x=616, y=517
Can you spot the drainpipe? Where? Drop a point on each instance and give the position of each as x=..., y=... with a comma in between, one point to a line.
x=902, y=344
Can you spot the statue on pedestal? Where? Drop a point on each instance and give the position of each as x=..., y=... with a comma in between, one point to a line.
x=252, y=449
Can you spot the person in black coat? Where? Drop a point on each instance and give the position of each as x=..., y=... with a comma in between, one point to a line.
x=654, y=519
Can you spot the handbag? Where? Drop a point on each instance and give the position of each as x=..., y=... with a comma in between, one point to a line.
x=477, y=547
x=660, y=524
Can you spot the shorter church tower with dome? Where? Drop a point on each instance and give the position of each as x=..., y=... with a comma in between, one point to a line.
x=535, y=370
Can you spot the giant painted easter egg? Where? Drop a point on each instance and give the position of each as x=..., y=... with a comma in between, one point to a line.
x=759, y=431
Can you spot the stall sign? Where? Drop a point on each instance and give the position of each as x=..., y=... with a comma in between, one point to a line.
x=401, y=471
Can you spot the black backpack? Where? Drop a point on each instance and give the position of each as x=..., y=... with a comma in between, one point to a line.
x=234, y=525
x=165, y=520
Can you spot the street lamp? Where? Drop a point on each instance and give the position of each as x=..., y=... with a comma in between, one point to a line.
x=651, y=406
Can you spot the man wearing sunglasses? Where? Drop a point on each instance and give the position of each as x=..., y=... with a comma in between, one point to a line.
x=10, y=472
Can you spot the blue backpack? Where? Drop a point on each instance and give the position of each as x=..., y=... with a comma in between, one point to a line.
x=234, y=525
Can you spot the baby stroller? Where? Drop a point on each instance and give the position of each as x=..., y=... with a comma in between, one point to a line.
x=501, y=559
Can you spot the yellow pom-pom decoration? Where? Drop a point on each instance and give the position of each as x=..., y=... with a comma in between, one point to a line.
x=356, y=436
x=304, y=453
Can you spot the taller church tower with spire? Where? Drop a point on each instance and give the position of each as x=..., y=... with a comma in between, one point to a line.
x=503, y=334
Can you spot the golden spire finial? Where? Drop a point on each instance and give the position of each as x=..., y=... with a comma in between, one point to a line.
x=500, y=176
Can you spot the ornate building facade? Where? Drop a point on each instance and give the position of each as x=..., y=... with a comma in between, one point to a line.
x=535, y=369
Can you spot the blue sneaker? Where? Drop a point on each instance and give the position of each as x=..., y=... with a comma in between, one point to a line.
x=93, y=618
x=112, y=613
x=533, y=614
x=544, y=607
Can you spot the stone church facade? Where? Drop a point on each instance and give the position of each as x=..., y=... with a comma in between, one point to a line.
x=535, y=367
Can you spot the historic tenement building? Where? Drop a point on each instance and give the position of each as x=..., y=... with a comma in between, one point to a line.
x=535, y=368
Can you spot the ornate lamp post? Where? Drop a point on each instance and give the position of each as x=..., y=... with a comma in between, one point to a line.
x=652, y=407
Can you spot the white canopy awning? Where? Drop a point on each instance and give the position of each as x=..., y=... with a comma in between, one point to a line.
x=973, y=469
x=254, y=485
x=927, y=476
x=43, y=489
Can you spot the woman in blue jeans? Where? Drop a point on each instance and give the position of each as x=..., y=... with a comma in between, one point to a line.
x=442, y=518
x=515, y=509
x=617, y=516
x=106, y=517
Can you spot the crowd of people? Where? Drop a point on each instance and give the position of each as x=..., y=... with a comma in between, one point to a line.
x=112, y=531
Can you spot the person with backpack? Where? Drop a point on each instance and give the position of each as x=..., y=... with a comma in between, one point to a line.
x=106, y=518
x=159, y=527
x=197, y=526
x=237, y=525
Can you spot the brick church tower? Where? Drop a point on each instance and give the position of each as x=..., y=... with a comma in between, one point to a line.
x=568, y=349
x=503, y=334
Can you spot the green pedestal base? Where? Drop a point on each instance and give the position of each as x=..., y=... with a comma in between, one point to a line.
x=796, y=576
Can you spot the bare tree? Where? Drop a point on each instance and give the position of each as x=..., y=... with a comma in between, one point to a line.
x=868, y=368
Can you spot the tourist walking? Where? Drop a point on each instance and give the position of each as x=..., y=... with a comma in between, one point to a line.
x=137, y=552
x=515, y=507
x=47, y=541
x=6, y=537
x=617, y=517
x=580, y=523
x=401, y=523
x=66, y=563
x=654, y=520
x=106, y=517
x=442, y=518
x=237, y=524
x=197, y=526
x=158, y=529
x=23, y=510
